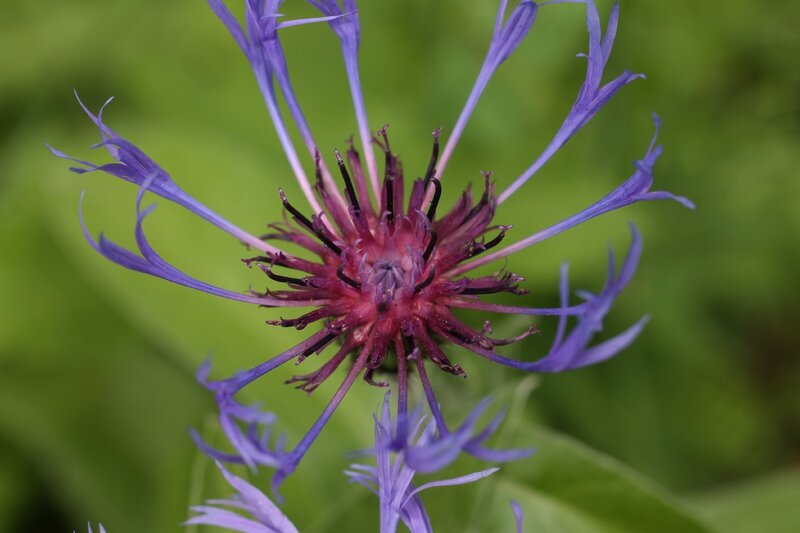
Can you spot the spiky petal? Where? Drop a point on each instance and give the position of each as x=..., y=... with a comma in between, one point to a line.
x=391, y=479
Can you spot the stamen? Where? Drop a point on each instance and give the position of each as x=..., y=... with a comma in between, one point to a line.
x=388, y=172
x=387, y=149
x=483, y=290
x=388, y=184
x=301, y=218
x=460, y=336
x=368, y=378
x=353, y=283
x=500, y=236
x=320, y=233
x=258, y=259
x=484, y=201
x=491, y=244
x=427, y=281
x=431, y=245
x=434, y=157
x=319, y=345
x=282, y=279
x=437, y=194
x=313, y=380
x=351, y=192
x=532, y=330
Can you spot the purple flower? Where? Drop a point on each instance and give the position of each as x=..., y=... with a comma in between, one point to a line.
x=391, y=268
x=261, y=514
x=403, y=448
x=392, y=479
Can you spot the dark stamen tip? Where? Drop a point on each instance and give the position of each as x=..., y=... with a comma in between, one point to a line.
x=437, y=194
x=427, y=281
x=429, y=173
x=340, y=273
x=431, y=245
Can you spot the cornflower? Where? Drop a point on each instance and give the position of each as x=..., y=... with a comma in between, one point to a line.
x=392, y=268
x=391, y=479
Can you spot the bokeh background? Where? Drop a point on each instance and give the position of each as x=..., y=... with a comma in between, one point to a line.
x=696, y=427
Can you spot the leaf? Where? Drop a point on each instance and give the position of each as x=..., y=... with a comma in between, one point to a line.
x=566, y=486
x=767, y=504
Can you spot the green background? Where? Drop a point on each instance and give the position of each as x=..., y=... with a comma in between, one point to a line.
x=696, y=427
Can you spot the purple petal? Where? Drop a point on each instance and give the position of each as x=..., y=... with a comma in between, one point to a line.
x=251, y=444
x=635, y=189
x=505, y=39
x=461, y=480
x=154, y=265
x=347, y=27
x=391, y=479
x=136, y=167
x=572, y=350
x=518, y=514
x=591, y=97
x=265, y=517
x=262, y=49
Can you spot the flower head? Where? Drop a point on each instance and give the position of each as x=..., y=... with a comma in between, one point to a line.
x=391, y=479
x=392, y=265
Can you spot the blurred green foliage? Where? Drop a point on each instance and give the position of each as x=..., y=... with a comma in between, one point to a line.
x=96, y=363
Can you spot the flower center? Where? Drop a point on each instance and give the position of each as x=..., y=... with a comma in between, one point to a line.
x=384, y=283
x=387, y=276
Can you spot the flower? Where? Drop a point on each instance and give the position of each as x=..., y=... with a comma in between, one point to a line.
x=419, y=449
x=265, y=517
x=391, y=268
x=391, y=480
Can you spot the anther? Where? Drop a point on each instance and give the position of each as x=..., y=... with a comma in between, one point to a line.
x=437, y=194
x=431, y=245
x=353, y=283
x=320, y=233
x=388, y=184
x=434, y=157
x=382, y=132
x=320, y=344
x=282, y=279
x=351, y=192
x=258, y=259
x=484, y=290
x=460, y=336
x=427, y=281
x=492, y=243
x=301, y=218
